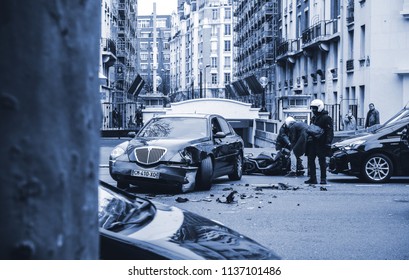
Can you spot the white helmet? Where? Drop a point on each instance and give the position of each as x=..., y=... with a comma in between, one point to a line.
x=289, y=120
x=317, y=103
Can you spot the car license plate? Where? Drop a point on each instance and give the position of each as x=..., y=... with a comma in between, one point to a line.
x=145, y=174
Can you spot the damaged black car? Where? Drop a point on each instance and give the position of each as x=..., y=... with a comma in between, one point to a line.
x=183, y=152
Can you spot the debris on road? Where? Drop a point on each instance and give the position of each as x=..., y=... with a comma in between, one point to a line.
x=181, y=199
x=228, y=199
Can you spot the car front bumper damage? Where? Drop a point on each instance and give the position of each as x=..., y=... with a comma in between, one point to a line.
x=168, y=175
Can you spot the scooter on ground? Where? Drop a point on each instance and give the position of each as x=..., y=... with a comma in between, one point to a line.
x=278, y=163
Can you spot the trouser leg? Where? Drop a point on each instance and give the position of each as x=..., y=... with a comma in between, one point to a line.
x=300, y=167
x=312, y=168
x=323, y=167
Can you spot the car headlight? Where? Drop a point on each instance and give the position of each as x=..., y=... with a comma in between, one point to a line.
x=354, y=145
x=118, y=150
x=187, y=156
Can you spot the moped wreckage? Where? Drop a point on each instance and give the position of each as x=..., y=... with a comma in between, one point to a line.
x=278, y=163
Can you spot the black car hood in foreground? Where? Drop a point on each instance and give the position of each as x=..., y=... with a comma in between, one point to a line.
x=174, y=233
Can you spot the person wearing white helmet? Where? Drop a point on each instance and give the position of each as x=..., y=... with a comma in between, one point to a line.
x=319, y=147
x=283, y=140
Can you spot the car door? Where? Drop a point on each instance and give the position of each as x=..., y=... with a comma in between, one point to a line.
x=227, y=147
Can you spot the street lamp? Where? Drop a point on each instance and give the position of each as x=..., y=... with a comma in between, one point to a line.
x=201, y=67
x=193, y=86
x=263, y=82
x=200, y=80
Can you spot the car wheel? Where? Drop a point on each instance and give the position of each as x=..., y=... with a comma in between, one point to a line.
x=205, y=174
x=377, y=168
x=122, y=185
x=237, y=169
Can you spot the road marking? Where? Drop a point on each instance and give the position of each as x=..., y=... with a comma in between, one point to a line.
x=104, y=166
x=369, y=185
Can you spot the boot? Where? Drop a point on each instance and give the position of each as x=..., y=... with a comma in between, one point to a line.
x=311, y=181
x=323, y=181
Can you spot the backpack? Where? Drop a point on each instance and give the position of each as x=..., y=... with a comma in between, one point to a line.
x=315, y=131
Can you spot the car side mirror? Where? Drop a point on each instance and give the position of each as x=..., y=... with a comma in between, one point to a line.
x=132, y=134
x=220, y=134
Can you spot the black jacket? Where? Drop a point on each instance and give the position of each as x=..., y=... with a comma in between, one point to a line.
x=322, y=145
x=282, y=140
x=298, y=137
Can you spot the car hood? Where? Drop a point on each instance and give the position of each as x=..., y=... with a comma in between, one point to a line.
x=178, y=234
x=351, y=140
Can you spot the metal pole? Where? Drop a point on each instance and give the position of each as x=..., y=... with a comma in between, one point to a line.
x=201, y=84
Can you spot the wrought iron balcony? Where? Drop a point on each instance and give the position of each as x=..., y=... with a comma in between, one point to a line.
x=320, y=32
x=287, y=48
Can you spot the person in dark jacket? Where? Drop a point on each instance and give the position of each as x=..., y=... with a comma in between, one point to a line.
x=283, y=140
x=372, y=117
x=319, y=147
x=298, y=140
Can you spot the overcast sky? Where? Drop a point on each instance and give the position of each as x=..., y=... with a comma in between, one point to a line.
x=163, y=7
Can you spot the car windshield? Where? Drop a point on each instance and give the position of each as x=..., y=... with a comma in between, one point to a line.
x=116, y=212
x=178, y=127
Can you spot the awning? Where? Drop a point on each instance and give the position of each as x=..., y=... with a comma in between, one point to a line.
x=230, y=91
x=136, y=86
x=254, y=84
x=240, y=88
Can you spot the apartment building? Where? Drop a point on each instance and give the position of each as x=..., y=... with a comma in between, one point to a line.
x=150, y=67
x=347, y=53
x=117, y=72
x=201, y=49
x=256, y=33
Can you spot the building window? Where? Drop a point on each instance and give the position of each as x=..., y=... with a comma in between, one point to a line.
x=214, y=79
x=227, y=62
x=144, y=66
x=214, y=62
x=144, y=56
x=351, y=44
x=227, y=13
x=144, y=45
x=214, y=30
x=227, y=45
x=227, y=29
x=215, y=14
x=362, y=43
x=227, y=78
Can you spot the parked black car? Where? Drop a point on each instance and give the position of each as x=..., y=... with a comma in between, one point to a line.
x=377, y=156
x=184, y=152
x=135, y=228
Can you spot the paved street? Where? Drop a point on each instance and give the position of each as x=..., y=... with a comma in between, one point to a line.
x=346, y=219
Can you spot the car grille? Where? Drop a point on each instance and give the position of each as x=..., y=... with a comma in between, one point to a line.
x=149, y=155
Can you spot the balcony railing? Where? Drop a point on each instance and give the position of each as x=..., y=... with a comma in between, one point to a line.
x=108, y=45
x=289, y=46
x=321, y=30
